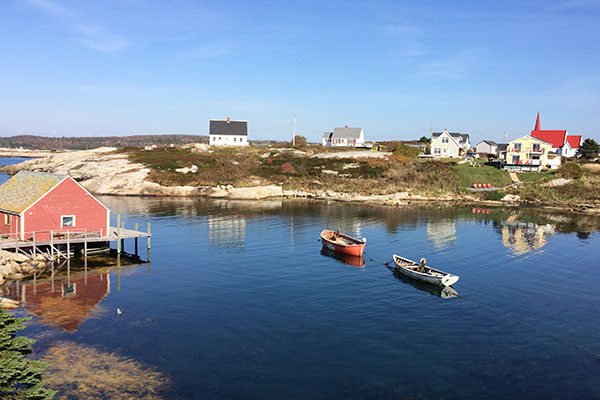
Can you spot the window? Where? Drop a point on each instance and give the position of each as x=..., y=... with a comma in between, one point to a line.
x=445, y=139
x=6, y=219
x=437, y=150
x=537, y=147
x=67, y=220
x=235, y=139
x=516, y=159
x=517, y=147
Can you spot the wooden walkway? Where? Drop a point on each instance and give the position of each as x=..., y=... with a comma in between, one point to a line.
x=74, y=238
x=60, y=243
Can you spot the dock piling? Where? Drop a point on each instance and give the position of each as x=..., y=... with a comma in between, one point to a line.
x=123, y=240
x=118, y=233
x=34, y=247
x=136, y=241
x=149, y=241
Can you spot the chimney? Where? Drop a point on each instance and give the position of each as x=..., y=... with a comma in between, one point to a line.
x=228, y=119
x=346, y=126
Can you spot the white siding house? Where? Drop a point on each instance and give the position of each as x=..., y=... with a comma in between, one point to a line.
x=486, y=147
x=449, y=145
x=228, y=133
x=346, y=137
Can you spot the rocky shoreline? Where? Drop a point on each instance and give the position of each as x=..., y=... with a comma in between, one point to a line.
x=16, y=267
x=102, y=171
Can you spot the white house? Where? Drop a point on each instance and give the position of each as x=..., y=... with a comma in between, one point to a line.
x=228, y=133
x=449, y=144
x=486, y=147
x=347, y=137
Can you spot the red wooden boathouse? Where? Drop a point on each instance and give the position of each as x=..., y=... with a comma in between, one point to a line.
x=42, y=202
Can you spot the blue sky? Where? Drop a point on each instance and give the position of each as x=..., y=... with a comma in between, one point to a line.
x=122, y=67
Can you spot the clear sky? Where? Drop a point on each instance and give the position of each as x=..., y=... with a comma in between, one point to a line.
x=122, y=67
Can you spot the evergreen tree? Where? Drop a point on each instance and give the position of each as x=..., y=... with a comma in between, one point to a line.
x=425, y=139
x=20, y=377
x=588, y=149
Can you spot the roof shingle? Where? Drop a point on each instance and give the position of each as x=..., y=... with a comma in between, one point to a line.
x=25, y=188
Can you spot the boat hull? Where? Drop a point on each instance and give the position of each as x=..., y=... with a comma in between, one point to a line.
x=435, y=277
x=349, y=246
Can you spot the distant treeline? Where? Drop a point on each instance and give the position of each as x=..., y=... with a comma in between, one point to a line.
x=83, y=143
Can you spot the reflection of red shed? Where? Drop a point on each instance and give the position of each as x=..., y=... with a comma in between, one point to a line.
x=37, y=201
x=65, y=304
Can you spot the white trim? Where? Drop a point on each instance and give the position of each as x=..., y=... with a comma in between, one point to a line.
x=22, y=218
x=62, y=225
x=107, y=223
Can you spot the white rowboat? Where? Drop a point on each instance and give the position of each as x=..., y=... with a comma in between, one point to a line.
x=431, y=275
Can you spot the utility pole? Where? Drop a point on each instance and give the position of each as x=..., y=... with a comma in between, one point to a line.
x=294, y=133
x=431, y=130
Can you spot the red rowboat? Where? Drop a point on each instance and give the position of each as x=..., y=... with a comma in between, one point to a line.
x=343, y=244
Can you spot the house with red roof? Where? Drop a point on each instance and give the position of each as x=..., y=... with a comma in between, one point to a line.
x=562, y=143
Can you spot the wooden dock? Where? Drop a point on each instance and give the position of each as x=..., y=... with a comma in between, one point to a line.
x=60, y=243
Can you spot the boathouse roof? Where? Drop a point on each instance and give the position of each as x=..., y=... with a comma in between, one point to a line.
x=25, y=188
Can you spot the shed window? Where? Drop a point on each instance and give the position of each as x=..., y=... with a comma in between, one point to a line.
x=6, y=219
x=67, y=220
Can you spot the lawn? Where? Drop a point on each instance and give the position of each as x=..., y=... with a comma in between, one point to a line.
x=535, y=176
x=467, y=176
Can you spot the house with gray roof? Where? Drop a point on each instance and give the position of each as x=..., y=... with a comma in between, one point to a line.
x=449, y=144
x=344, y=137
x=486, y=147
x=228, y=133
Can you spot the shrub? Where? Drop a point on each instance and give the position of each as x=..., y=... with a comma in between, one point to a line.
x=495, y=195
x=570, y=171
x=287, y=168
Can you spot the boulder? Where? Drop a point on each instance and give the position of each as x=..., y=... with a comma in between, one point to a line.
x=557, y=182
x=255, y=193
x=511, y=198
x=16, y=276
x=8, y=303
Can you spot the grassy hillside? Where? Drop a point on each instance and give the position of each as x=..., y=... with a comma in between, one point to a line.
x=402, y=171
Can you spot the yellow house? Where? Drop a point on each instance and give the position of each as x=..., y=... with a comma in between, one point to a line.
x=530, y=154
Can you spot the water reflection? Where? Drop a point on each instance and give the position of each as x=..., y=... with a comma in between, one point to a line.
x=522, y=230
x=354, y=261
x=70, y=295
x=441, y=234
x=65, y=302
x=523, y=237
x=227, y=231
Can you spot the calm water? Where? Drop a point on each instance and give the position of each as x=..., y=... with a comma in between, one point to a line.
x=239, y=302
